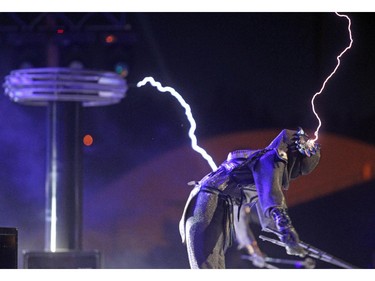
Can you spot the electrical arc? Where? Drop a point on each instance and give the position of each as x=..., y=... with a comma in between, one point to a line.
x=316, y=133
x=188, y=113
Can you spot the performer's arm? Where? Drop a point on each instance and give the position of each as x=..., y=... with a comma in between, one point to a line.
x=245, y=237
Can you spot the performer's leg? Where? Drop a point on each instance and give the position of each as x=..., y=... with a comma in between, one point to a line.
x=204, y=232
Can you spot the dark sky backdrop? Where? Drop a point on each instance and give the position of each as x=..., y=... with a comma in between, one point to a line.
x=238, y=71
x=242, y=71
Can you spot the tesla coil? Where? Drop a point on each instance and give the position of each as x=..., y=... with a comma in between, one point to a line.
x=64, y=92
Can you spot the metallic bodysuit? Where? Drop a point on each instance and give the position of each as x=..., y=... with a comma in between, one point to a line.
x=259, y=176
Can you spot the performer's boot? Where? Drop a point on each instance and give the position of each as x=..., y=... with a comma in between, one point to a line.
x=288, y=234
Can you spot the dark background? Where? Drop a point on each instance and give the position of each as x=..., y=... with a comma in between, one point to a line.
x=238, y=72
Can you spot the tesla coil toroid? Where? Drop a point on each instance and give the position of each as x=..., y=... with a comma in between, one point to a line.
x=38, y=86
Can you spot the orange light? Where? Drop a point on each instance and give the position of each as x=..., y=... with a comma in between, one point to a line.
x=366, y=171
x=88, y=140
x=110, y=39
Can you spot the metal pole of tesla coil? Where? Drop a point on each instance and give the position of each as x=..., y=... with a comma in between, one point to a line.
x=63, y=177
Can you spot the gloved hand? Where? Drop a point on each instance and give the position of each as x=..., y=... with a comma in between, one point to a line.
x=305, y=145
x=287, y=233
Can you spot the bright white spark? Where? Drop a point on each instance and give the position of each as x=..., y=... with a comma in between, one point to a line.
x=316, y=133
x=188, y=114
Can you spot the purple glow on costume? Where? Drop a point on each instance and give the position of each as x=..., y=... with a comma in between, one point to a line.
x=188, y=114
x=316, y=133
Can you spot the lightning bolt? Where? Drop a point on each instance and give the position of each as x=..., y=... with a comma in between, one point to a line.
x=189, y=115
x=316, y=133
x=193, y=124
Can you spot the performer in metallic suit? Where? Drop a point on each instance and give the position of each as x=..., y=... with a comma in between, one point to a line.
x=246, y=177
